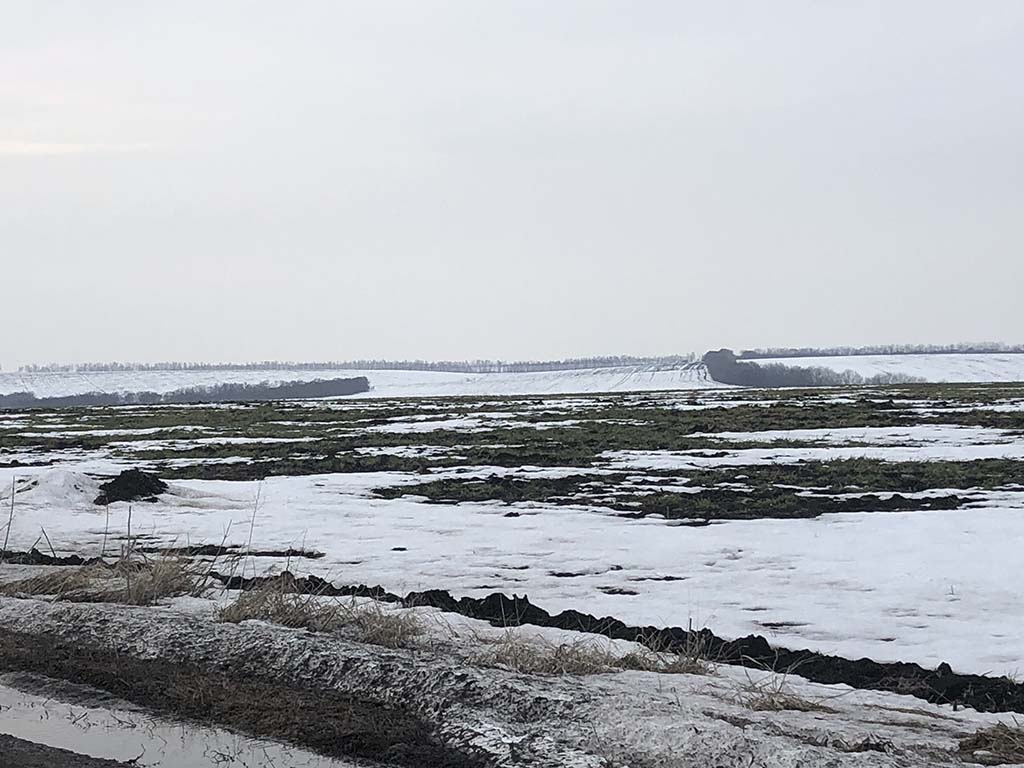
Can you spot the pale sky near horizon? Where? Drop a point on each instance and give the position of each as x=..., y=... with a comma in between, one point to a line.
x=516, y=180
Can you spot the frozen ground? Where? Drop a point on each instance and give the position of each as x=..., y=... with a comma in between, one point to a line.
x=931, y=593
x=932, y=368
x=928, y=586
x=600, y=720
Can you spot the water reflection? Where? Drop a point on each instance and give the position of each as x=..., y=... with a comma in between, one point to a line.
x=91, y=723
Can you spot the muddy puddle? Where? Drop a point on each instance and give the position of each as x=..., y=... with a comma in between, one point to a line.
x=90, y=722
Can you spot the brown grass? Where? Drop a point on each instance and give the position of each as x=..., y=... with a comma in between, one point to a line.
x=381, y=626
x=77, y=583
x=157, y=579
x=692, y=659
x=772, y=693
x=583, y=656
x=288, y=609
x=371, y=621
x=998, y=745
x=142, y=582
x=537, y=657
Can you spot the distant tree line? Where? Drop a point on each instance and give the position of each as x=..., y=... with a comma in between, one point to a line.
x=219, y=393
x=726, y=368
x=447, y=366
x=964, y=348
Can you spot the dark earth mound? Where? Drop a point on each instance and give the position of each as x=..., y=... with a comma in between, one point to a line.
x=35, y=557
x=131, y=485
x=939, y=686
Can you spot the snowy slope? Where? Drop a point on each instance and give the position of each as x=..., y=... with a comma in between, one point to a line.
x=382, y=383
x=936, y=368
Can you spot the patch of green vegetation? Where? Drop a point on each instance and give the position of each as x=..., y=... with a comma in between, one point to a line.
x=592, y=426
x=719, y=504
x=703, y=504
x=292, y=467
x=499, y=488
x=861, y=474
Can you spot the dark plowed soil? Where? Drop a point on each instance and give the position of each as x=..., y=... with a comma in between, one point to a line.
x=940, y=686
x=35, y=557
x=327, y=722
x=705, y=505
x=17, y=753
x=131, y=485
x=306, y=585
x=213, y=550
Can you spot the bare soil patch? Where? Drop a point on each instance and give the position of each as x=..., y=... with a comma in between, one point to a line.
x=131, y=485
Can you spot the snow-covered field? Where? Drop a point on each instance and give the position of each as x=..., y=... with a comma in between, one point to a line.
x=515, y=720
x=920, y=583
x=918, y=587
x=382, y=383
x=634, y=378
x=931, y=368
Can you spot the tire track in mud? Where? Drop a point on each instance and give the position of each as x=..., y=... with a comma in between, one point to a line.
x=331, y=723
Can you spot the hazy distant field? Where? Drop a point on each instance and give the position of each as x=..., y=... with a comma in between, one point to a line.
x=383, y=383
x=965, y=368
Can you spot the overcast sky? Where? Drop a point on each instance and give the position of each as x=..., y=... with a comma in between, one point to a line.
x=450, y=180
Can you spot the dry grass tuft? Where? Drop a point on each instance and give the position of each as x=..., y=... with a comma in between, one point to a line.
x=288, y=609
x=371, y=622
x=999, y=745
x=583, y=656
x=133, y=583
x=378, y=625
x=156, y=580
x=78, y=583
x=773, y=694
x=665, y=663
x=537, y=657
x=652, y=657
